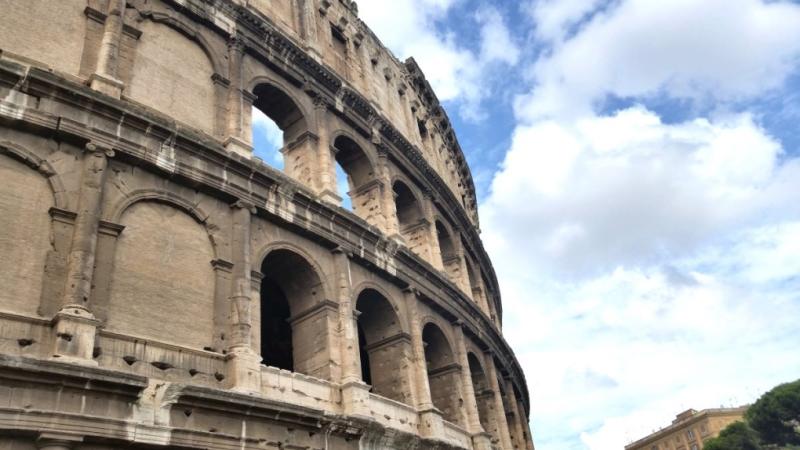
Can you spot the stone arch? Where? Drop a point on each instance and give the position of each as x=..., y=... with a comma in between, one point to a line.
x=444, y=374
x=162, y=272
x=475, y=280
x=447, y=243
x=188, y=31
x=483, y=393
x=42, y=166
x=356, y=162
x=27, y=195
x=286, y=110
x=359, y=169
x=174, y=71
x=295, y=319
x=384, y=348
x=407, y=204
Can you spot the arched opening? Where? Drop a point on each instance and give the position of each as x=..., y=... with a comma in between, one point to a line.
x=294, y=319
x=277, y=122
x=384, y=348
x=451, y=262
x=508, y=415
x=408, y=209
x=443, y=374
x=446, y=246
x=353, y=173
x=476, y=289
x=483, y=394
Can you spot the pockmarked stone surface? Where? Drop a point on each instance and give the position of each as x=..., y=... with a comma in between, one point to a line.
x=163, y=287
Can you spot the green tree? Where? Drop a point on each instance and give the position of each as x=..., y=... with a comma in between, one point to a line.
x=736, y=436
x=776, y=415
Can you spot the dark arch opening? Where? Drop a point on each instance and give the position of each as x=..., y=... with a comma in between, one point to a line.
x=446, y=246
x=408, y=208
x=276, y=122
x=384, y=349
x=354, y=172
x=276, y=332
x=290, y=287
x=483, y=394
x=443, y=373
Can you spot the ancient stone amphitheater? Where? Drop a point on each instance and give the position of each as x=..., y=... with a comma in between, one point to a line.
x=164, y=288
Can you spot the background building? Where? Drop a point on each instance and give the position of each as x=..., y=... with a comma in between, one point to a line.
x=690, y=430
x=164, y=288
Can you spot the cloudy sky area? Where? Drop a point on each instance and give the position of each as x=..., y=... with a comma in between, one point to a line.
x=638, y=170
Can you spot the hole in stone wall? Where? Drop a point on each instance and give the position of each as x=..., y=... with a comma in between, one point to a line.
x=290, y=291
x=353, y=170
x=277, y=122
x=385, y=345
x=276, y=333
x=267, y=139
x=443, y=375
x=408, y=209
x=480, y=385
x=366, y=375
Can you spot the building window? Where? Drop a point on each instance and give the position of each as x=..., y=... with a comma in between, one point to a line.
x=655, y=447
x=690, y=434
x=703, y=430
x=694, y=447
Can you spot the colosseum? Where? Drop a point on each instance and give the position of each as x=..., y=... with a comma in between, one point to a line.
x=163, y=287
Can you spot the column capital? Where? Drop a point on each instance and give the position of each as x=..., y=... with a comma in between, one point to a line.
x=57, y=440
x=99, y=149
x=244, y=204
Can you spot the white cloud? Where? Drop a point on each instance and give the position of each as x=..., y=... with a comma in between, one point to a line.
x=457, y=73
x=627, y=189
x=555, y=18
x=710, y=50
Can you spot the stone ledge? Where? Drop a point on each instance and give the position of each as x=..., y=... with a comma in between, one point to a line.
x=77, y=377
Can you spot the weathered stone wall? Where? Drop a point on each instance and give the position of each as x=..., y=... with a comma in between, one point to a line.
x=161, y=239
x=156, y=264
x=172, y=75
x=25, y=199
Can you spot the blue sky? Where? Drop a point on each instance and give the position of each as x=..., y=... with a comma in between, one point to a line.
x=638, y=174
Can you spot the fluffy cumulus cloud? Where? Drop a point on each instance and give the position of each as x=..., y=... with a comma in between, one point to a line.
x=457, y=72
x=649, y=257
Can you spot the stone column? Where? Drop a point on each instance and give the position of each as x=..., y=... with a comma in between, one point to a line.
x=74, y=324
x=463, y=280
x=389, y=208
x=243, y=362
x=326, y=178
x=351, y=361
x=222, y=290
x=431, y=421
x=517, y=431
x=499, y=408
x=104, y=79
x=235, y=141
x=526, y=428
x=434, y=252
x=355, y=393
x=480, y=438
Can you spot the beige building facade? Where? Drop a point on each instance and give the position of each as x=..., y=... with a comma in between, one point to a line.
x=165, y=288
x=690, y=430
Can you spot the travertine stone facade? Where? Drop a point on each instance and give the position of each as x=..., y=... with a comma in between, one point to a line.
x=164, y=288
x=690, y=430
